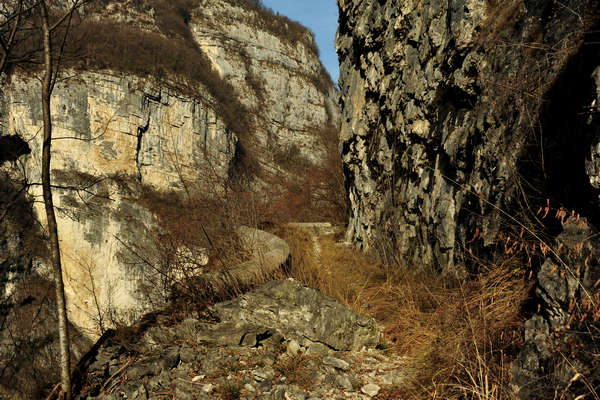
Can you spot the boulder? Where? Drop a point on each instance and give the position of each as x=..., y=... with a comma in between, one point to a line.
x=291, y=311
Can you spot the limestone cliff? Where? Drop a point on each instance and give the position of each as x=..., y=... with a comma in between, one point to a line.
x=460, y=114
x=123, y=127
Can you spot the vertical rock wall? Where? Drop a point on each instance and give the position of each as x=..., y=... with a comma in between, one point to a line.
x=442, y=103
x=281, y=81
x=113, y=136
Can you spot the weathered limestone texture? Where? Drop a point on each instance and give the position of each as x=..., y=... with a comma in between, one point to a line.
x=119, y=136
x=284, y=85
x=292, y=311
x=282, y=340
x=112, y=134
x=442, y=118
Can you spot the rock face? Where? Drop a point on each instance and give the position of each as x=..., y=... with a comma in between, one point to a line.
x=280, y=80
x=119, y=135
x=110, y=124
x=460, y=120
x=444, y=105
x=566, y=320
x=113, y=134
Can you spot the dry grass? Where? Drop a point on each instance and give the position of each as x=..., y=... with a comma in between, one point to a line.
x=459, y=336
x=298, y=369
x=307, y=192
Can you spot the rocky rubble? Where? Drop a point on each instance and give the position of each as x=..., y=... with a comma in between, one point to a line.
x=268, y=345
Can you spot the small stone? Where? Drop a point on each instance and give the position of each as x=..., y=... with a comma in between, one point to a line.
x=337, y=363
x=140, y=394
x=264, y=374
x=370, y=389
x=295, y=395
x=197, y=378
x=141, y=370
x=249, y=339
x=264, y=386
x=183, y=394
x=318, y=349
x=170, y=360
x=269, y=358
x=317, y=377
x=249, y=388
x=344, y=382
x=208, y=388
x=293, y=348
x=187, y=355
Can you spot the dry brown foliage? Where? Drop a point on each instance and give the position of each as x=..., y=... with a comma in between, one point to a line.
x=459, y=337
x=307, y=192
x=29, y=340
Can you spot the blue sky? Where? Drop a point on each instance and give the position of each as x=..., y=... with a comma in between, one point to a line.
x=321, y=17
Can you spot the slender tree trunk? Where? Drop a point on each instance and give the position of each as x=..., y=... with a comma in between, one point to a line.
x=65, y=364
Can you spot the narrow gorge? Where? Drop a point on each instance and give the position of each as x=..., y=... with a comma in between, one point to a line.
x=234, y=225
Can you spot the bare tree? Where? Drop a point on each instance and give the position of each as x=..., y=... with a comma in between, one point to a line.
x=12, y=20
x=50, y=73
x=61, y=305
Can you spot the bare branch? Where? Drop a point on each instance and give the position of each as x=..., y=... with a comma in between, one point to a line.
x=6, y=47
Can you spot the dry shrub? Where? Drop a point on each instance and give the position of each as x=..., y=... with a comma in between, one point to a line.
x=29, y=348
x=191, y=231
x=460, y=337
x=307, y=192
x=298, y=369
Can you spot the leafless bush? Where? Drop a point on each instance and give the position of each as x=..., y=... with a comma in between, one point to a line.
x=309, y=191
x=29, y=341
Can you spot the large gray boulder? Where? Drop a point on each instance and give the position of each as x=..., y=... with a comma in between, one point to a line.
x=289, y=311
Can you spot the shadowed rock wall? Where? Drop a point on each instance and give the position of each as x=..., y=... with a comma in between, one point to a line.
x=443, y=119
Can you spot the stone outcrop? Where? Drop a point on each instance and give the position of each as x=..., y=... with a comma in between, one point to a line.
x=295, y=312
x=119, y=136
x=269, y=254
x=281, y=340
x=455, y=110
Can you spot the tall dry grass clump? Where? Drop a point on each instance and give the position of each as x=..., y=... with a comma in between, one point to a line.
x=459, y=337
